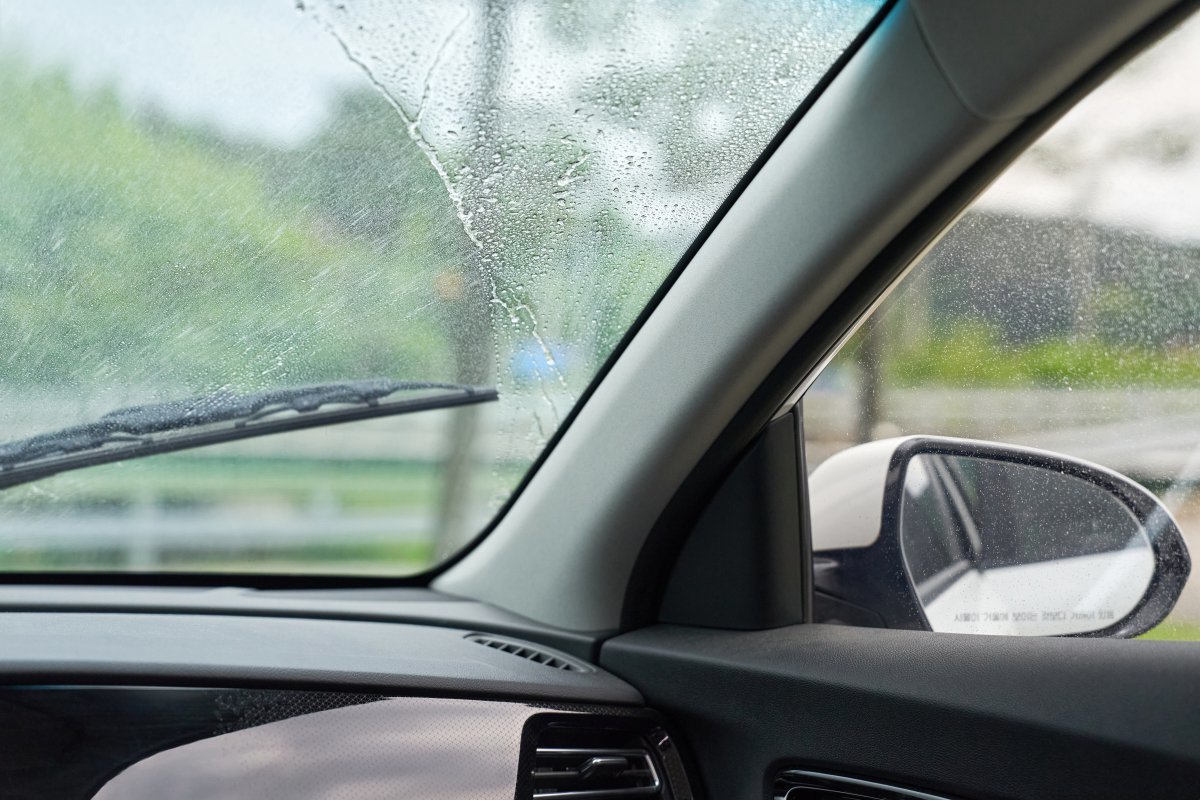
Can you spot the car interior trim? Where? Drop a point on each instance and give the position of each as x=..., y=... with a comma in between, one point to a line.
x=802, y=784
x=965, y=715
x=410, y=605
x=195, y=649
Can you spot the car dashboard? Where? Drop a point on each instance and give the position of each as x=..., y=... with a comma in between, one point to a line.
x=201, y=706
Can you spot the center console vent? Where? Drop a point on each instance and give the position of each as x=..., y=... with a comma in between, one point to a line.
x=598, y=773
x=601, y=756
x=799, y=784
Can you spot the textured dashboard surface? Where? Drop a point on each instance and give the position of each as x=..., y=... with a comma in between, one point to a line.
x=147, y=743
x=163, y=649
x=426, y=747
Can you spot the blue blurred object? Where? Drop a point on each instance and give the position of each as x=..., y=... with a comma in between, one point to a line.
x=536, y=361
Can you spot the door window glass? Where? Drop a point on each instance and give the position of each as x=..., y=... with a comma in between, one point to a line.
x=1062, y=311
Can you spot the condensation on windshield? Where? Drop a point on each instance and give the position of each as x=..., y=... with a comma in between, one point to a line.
x=239, y=196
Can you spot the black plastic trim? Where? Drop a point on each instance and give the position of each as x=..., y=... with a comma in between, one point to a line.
x=1019, y=718
x=600, y=727
x=808, y=584
x=743, y=565
x=803, y=784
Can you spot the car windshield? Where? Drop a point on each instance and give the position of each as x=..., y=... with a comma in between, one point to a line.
x=213, y=213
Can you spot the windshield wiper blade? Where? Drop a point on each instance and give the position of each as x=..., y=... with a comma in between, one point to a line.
x=144, y=430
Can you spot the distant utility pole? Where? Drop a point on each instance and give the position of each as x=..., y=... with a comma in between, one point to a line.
x=870, y=386
x=472, y=336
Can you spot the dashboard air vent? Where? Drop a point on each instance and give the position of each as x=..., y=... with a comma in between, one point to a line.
x=579, y=773
x=527, y=651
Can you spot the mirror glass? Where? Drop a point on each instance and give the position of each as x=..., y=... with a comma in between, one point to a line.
x=1005, y=548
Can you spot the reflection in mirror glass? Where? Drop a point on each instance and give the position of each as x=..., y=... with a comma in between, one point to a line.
x=1004, y=548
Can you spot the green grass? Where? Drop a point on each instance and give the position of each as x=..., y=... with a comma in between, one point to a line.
x=973, y=354
x=1174, y=631
x=192, y=480
x=351, y=558
x=189, y=482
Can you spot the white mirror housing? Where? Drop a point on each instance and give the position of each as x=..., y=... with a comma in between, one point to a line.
x=966, y=536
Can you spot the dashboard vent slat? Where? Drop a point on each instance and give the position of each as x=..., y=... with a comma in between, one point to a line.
x=527, y=652
x=567, y=773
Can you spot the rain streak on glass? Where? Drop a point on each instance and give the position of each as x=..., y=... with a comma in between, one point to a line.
x=582, y=146
x=232, y=197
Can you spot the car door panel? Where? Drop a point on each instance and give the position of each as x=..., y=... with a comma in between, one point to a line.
x=974, y=717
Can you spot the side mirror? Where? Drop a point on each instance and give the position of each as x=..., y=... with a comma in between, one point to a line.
x=965, y=536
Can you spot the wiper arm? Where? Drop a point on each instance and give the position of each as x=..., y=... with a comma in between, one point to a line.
x=145, y=430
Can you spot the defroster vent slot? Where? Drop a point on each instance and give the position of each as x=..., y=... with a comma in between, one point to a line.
x=528, y=652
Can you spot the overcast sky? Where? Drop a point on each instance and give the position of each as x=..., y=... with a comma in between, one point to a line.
x=1128, y=156
x=255, y=68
